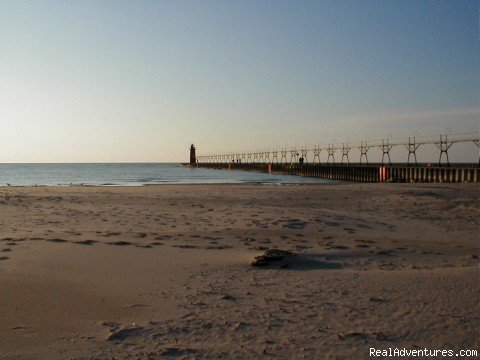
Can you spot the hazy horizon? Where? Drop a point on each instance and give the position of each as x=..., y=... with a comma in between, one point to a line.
x=138, y=82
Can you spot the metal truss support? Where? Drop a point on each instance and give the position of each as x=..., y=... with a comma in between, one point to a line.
x=345, y=150
x=386, y=147
x=443, y=145
x=261, y=157
x=363, y=151
x=316, y=154
x=274, y=156
x=412, y=150
x=267, y=156
x=304, y=152
x=477, y=142
x=293, y=155
x=283, y=159
x=331, y=153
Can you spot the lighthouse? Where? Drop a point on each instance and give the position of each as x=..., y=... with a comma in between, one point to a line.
x=193, y=157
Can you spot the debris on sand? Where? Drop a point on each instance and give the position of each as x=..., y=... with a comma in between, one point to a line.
x=176, y=352
x=377, y=299
x=271, y=255
x=123, y=334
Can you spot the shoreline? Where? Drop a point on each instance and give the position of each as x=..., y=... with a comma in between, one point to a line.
x=319, y=184
x=332, y=182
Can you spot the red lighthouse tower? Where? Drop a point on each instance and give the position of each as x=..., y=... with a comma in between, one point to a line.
x=193, y=157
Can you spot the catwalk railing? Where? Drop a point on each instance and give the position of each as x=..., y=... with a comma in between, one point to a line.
x=312, y=154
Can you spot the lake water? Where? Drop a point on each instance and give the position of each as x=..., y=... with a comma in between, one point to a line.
x=135, y=174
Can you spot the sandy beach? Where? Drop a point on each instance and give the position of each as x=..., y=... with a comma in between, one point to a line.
x=165, y=271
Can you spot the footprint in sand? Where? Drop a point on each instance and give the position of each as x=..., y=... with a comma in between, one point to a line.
x=186, y=246
x=385, y=252
x=57, y=240
x=302, y=247
x=338, y=247
x=379, y=336
x=295, y=224
x=119, y=243
x=364, y=241
x=363, y=226
x=219, y=247
x=85, y=242
x=111, y=233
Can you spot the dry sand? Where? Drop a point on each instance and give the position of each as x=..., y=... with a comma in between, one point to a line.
x=147, y=272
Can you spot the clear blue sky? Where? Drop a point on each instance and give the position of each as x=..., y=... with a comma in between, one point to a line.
x=107, y=81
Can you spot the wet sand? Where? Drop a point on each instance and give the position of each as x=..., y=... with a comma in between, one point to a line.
x=148, y=272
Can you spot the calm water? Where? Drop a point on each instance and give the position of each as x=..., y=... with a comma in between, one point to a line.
x=133, y=174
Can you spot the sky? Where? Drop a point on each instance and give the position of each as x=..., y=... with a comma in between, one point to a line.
x=139, y=81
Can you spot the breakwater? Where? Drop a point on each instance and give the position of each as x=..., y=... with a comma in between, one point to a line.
x=469, y=172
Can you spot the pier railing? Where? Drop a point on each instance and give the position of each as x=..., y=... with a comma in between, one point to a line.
x=341, y=153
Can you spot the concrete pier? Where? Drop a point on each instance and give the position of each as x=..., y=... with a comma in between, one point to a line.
x=362, y=172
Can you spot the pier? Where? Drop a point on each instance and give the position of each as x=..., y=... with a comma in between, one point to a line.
x=362, y=172
x=295, y=161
